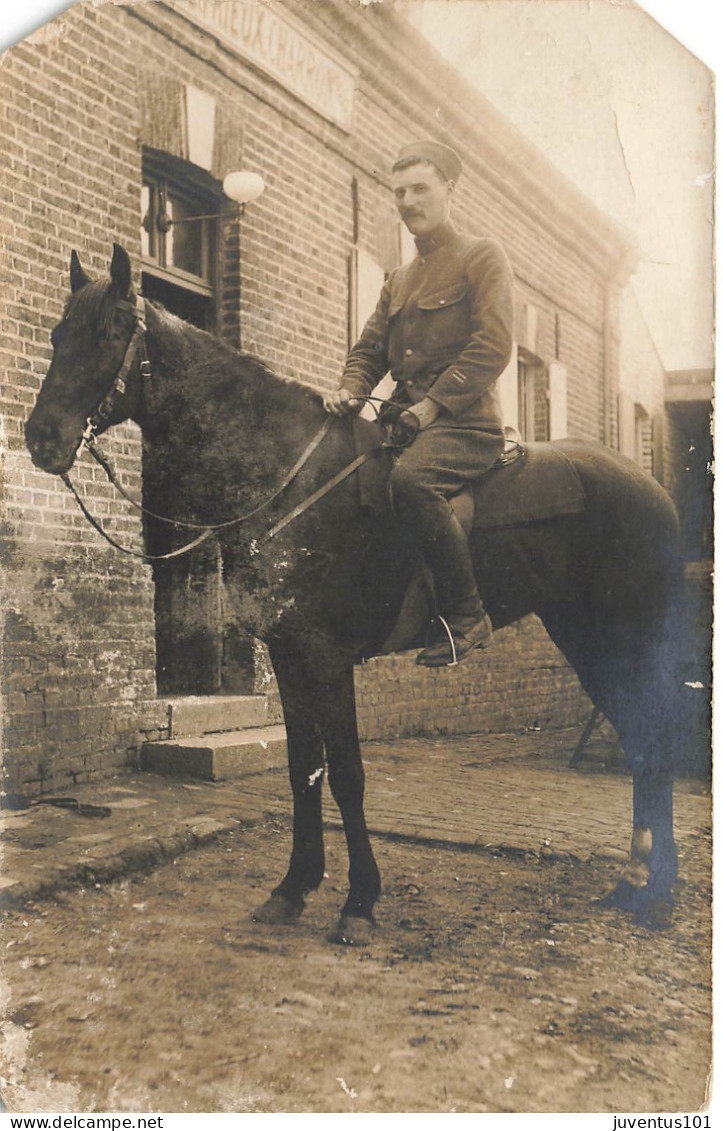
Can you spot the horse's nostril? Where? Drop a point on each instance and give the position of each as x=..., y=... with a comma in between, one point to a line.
x=37, y=432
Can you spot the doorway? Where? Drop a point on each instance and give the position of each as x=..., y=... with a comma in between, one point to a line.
x=196, y=654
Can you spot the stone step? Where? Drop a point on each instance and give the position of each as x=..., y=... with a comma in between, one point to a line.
x=213, y=714
x=217, y=757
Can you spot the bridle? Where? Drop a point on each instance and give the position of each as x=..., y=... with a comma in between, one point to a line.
x=136, y=346
x=136, y=350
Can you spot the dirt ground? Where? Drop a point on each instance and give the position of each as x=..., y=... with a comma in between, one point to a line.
x=494, y=984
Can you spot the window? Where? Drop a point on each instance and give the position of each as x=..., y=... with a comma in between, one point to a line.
x=636, y=432
x=179, y=249
x=532, y=393
x=524, y=391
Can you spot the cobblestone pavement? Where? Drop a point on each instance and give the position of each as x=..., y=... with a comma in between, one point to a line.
x=497, y=792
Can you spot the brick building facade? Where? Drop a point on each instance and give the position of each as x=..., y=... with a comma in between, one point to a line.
x=117, y=117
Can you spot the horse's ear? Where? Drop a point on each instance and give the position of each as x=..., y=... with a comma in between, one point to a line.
x=120, y=270
x=78, y=277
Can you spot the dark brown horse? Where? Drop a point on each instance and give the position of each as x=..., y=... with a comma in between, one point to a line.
x=221, y=432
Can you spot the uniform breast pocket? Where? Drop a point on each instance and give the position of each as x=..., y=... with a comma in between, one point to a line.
x=444, y=318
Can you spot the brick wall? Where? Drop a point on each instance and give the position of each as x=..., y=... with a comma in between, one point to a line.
x=521, y=681
x=77, y=661
x=78, y=658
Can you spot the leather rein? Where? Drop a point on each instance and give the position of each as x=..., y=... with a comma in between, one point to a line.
x=136, y=349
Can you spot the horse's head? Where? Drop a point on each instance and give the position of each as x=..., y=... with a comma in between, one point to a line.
x=89, y=347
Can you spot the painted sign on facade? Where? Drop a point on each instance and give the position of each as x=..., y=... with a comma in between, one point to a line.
x=283, y=50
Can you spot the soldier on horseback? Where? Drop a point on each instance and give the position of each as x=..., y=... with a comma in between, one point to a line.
x=596, y=557
x=443, y=326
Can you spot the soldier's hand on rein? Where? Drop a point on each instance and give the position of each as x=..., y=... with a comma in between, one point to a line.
x=403, y=431
x=340, y=402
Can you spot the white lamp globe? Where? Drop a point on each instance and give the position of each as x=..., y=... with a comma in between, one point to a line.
x=243, y=187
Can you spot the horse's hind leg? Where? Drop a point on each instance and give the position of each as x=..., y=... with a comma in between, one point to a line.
x=624, y=665
x=644, y=711
x=306, y=771
x=644, y=887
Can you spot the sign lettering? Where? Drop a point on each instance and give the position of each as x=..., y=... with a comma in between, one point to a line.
x=286, y=52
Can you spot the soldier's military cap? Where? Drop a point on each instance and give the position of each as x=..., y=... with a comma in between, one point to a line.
x=443, y=157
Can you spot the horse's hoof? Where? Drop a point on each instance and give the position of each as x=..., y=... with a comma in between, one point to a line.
x=278, y=911
x=657, y=916
x=651, y=912
x=623, y=897
x=353, y=930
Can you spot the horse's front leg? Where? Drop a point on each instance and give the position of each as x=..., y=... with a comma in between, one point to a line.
x=306, y=771
x=646, y=882
x=337, y=718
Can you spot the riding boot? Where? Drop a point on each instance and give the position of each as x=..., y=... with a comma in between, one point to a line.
x=464, y=624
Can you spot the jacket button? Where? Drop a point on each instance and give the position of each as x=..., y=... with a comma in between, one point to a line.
x=408, y=352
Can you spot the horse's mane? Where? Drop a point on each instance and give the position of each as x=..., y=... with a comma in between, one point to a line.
x=219, y=355
x=94, y=305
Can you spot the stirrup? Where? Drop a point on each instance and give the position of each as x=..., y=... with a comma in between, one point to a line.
x=452, y=645
x=448, y=653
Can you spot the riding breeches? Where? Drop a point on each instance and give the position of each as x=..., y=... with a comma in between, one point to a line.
x=438, y=465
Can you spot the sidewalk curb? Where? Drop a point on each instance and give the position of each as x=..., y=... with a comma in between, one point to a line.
x=135, y=858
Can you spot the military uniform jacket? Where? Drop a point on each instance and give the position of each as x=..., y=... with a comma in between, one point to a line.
x=443, y=326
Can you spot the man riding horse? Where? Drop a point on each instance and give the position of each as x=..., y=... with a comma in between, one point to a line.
x=443, y=326
x=604, y=577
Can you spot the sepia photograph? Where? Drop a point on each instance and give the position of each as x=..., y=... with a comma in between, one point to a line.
x=357, y=459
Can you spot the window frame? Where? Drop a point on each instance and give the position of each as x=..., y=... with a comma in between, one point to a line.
x=167, y=177
x=533, y=397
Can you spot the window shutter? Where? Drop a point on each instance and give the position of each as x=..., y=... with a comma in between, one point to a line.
x=366, y=279
x=507, y=393
x=557, y=385
x=200, y=127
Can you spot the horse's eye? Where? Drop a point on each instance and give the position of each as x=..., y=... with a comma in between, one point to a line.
x=112, y=332
x=106, y=332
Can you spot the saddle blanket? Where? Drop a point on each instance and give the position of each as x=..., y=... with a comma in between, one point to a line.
x=539, y=483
